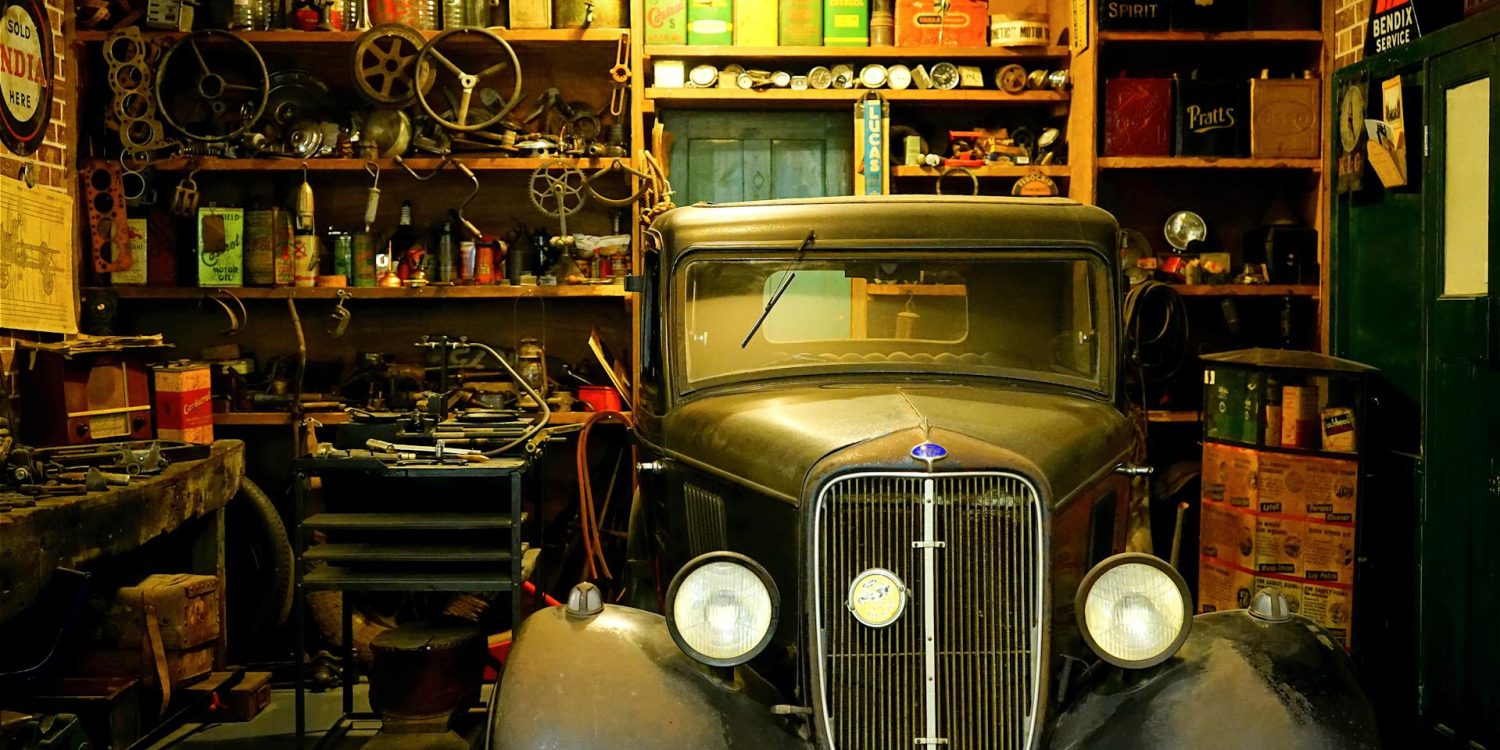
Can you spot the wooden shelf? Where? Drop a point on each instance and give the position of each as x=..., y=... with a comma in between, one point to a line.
x=420, y=164
x=1246, y=290
x=1205, y=162
x=1173, y=417
x=657, y=98
x=987, y=171
x=281, y=419
x=286, y=36
x=1299, y=36
x=380, y=293
x=901, y=54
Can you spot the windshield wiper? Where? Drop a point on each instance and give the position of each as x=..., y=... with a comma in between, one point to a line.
x=780, y=290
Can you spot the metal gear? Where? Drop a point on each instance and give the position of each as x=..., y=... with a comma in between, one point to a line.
x=557, y=188
x=385, y=64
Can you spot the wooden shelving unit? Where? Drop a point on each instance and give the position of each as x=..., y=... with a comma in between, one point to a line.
x=856, y=53
x=519, y=36
x=476, y=162
x=1247, y=290
x=1298, y=36
x=657, y=98
x=1157, y=416
x=989, y=171
x=280, y=419
x=1205, y=162
x=431, y=292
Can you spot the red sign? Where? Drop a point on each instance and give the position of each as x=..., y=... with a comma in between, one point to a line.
x=25, y=75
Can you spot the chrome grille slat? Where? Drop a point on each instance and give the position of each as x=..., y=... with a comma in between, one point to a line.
x=987, y=611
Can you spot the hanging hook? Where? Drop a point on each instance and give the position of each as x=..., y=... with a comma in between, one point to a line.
x=341, y=315
x=238, y=319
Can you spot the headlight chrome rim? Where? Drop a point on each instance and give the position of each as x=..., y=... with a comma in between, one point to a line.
x=722, y=557
x=1080, y=607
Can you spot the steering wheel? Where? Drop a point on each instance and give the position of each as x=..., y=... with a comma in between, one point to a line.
x=467, y=83
x=213, y=88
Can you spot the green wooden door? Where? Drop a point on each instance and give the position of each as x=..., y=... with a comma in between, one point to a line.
x=1460, y=573
x=723, y=157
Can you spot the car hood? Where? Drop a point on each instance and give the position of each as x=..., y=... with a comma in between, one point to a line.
x=773, y=439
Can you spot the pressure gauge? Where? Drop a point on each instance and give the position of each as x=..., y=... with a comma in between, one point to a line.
x=944, y=76
x=703, y=76
x=872, y=76
x=898, y=77
x=781, y=79
x=843, y=76
x=819, y=77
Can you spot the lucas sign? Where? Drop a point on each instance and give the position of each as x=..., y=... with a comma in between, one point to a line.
x=25, y=74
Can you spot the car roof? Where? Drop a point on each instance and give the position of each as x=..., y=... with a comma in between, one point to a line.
x=890, y=221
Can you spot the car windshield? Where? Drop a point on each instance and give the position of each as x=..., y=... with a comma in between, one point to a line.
x=1032, y=315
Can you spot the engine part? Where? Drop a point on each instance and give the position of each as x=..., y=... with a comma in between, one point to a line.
x=109, y=233
x=467, y=82
x=1011, y=79
x=185, y=196
x=618, y=166
x=296, y=95
x=212, y=90
x=973, y=179
x=385, y=64
x=133, y=111
x=389, y=130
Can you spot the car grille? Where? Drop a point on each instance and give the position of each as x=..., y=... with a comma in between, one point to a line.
x=986, y=605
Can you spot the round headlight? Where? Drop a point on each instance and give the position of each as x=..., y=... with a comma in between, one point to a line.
x=721, y=609
x=1134, y=610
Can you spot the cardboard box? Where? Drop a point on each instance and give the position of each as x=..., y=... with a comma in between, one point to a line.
x=922, y=23
x=846, y=23
x=1278, y=544
x=531, y=14
x=1328, y=553
x=136, y=274
x=1284, y=118
x=666, y=22
x=801, y=23
x=1221, y=587
x=755, y=23
x=1330, y=606
x=1300, y=421
x=184, y=406
x=221, y=249
x=1138, y=117
x=1134, y=15
x=710, y=22
x=1228, y=535
x=1212, y=118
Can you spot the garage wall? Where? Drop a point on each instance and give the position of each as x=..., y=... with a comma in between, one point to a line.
x=1349, y=19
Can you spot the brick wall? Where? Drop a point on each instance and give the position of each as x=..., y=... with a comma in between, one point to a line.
x=1349, y=19
x=53, y=156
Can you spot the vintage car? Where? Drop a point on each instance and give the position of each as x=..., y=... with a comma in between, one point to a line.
x=884, y=463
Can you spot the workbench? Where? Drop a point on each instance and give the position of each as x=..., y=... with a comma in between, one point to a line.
x=79, y=530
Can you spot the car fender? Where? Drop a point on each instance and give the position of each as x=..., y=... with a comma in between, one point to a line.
x=1237, y=682
x=617, y=680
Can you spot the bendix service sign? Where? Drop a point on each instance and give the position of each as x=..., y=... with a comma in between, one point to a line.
x=25, y=74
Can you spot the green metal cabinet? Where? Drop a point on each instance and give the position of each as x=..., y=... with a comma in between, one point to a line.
x=725, y=157
x=1416, y=279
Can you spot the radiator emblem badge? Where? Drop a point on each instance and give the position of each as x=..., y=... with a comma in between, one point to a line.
x=877, y=597
x=929, y=452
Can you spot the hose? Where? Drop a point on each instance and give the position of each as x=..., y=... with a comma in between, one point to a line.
x=588, y=514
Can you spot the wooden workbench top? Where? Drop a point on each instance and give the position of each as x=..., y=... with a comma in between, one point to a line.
x=78, y=530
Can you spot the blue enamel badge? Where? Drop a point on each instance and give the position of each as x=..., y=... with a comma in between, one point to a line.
x=929, y=452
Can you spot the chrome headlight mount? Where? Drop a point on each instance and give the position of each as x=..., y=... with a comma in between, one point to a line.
x=722, y=609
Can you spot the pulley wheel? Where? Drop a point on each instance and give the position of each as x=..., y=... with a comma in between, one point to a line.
x=385, y=64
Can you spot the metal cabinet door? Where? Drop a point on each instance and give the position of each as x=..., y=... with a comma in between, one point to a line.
x=1460, y=538
x=724, y=157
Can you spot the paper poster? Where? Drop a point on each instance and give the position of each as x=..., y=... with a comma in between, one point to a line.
x=37, y=292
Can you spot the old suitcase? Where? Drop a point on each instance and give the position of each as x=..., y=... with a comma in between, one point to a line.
x=1284, y=118
x=1134, y=15
x=1212, y=119
x=1138, y=117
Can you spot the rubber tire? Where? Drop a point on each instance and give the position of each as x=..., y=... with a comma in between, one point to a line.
x=273, y=611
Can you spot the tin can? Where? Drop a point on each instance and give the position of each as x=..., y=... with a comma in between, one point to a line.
x=484, y=264
x=184, y=408
x=305, y=256
x=364, y=259
x=467, y=261
x=342, y=245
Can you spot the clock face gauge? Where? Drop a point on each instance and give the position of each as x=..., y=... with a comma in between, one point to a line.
x=899, y=76
x=945, y=76
x=1352, y=118
x=819, y=77
x=872, y=76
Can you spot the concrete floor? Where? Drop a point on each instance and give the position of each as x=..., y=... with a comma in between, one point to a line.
x=275, y=727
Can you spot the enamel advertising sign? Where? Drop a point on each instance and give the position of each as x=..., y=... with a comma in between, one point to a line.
x=25, y=74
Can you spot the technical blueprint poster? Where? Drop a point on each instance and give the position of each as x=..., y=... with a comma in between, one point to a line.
x=37, y=291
